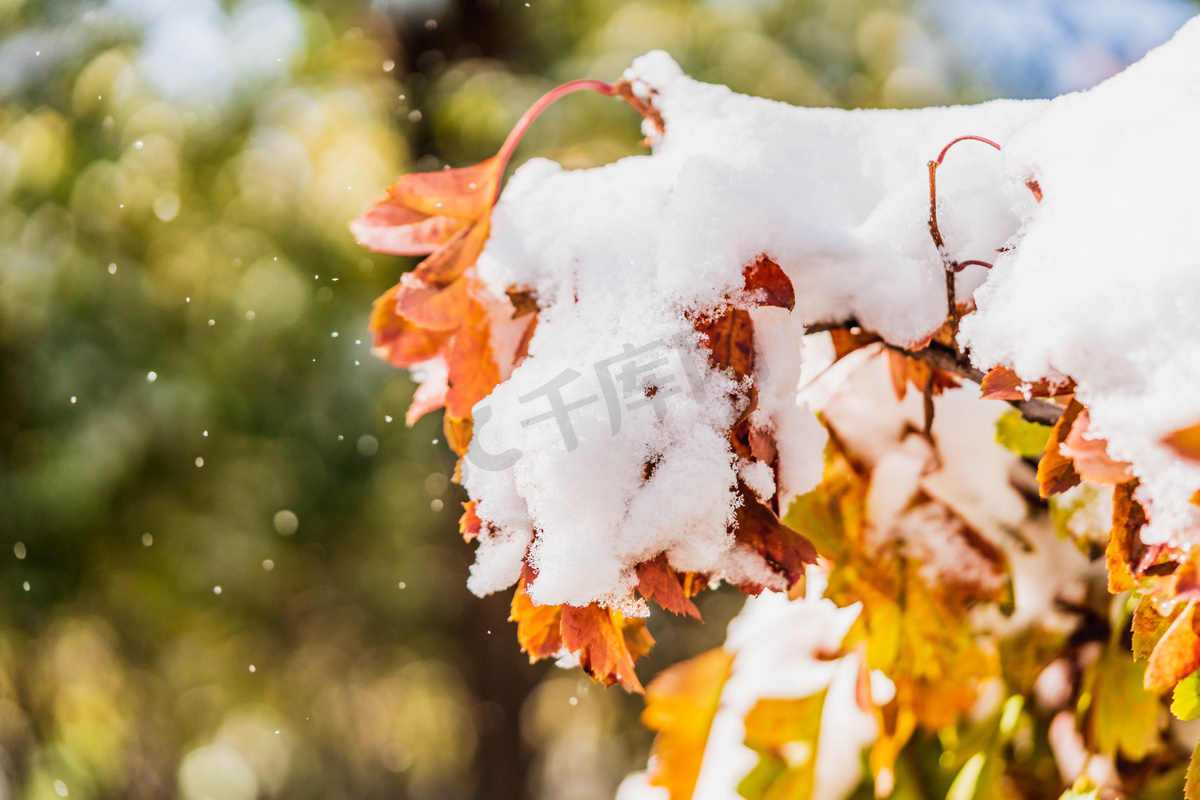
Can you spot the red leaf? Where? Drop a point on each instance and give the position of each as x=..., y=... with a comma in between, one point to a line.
x=1056, y=473
x=465, y=193
x=469, y=524
x=1090, y=456
x=399, y=341
x=785, y=550
x=390, y=227
x=433, y=307
x=1001, y=383
x=659, y=582
x=768, y=285
x=729, y=339
x=1177, y=654
x=539, y=628
x=606, y=642
x=473, y=369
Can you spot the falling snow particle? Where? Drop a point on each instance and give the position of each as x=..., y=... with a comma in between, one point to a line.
x=147, y=539
x=574, y=701
x=252, y=668
x=268, y=565
x=199, y=461
x=152, y=376
x=25, y=586
x=216, y=590
x=333, y=335
x=205, y=433
x=19, y=550
x=389, y=65
x=212, y=322
x=60, y=789
x=73, y=399
x=387, y=417
x=250, y=315
x=403, y=585
x=436, y=504
x=112, y=269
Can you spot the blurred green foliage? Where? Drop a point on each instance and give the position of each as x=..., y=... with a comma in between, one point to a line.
x=227, y=569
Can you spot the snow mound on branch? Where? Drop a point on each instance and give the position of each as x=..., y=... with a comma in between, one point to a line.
x=623, y=257
x=1104, y=283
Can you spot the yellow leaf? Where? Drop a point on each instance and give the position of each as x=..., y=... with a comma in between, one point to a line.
x=680, y=705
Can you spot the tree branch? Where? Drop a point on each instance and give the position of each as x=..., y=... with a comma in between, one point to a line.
x=937, y=355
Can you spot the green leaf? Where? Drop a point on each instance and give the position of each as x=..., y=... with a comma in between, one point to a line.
x=1185, y=703
x=1026, y=439
x=784, y=733
x=1191, y=785
x=1083, y=789
x=1123, y=716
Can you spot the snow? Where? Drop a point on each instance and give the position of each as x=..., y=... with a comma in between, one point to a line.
x=623, y=257
x=1102, y=283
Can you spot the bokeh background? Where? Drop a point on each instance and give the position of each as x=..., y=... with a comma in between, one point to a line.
x=227, y=568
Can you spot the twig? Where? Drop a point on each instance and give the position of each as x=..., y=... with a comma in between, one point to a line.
x=1040, y=411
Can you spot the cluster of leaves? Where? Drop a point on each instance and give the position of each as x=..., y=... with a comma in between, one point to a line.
x=916, y=625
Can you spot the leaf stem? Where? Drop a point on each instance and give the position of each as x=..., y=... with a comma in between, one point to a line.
x=510, y=144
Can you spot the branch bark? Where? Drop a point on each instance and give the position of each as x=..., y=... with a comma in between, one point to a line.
x=1042, y=412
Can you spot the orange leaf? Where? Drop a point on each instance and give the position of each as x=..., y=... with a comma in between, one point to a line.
x=1125, y=546
x=539, y=628
x=1149, y=626
x=1001, y=383
x=846, y=341
x=606, y=652
x=459, y=253
x=399, y=341
x=729, y=339
x=465, y=193
x=458, y=433
x=391, y=227
x=768, y=285
x=1185, y=442
x=433, y=307
x=659, y=582
x=680, y=705
x=430, y=396
x=1177, y=654
x=473, y=369
x=785, y=551
x=469, y=524
x=1090, y=456
x=1055, y=471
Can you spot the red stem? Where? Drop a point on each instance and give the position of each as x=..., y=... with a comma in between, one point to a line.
x=958, y=266
x=942, y=155
x=510, y=144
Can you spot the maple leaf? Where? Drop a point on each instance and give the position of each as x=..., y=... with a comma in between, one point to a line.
x=1001, y=383
x=446, y=214
x=784, y=733
x=1090, y=455
x=658, y=581
x=680, y=705
x=1149, y=626
x=539, y=628
x=469, y=524
x=729, y=339
x=1056, y=473
x=768, y=285
x=1177, y=653
x=784, y=550
x=606, y=642
x=1125, y=546
x=399, y=341
x=1185, y=442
